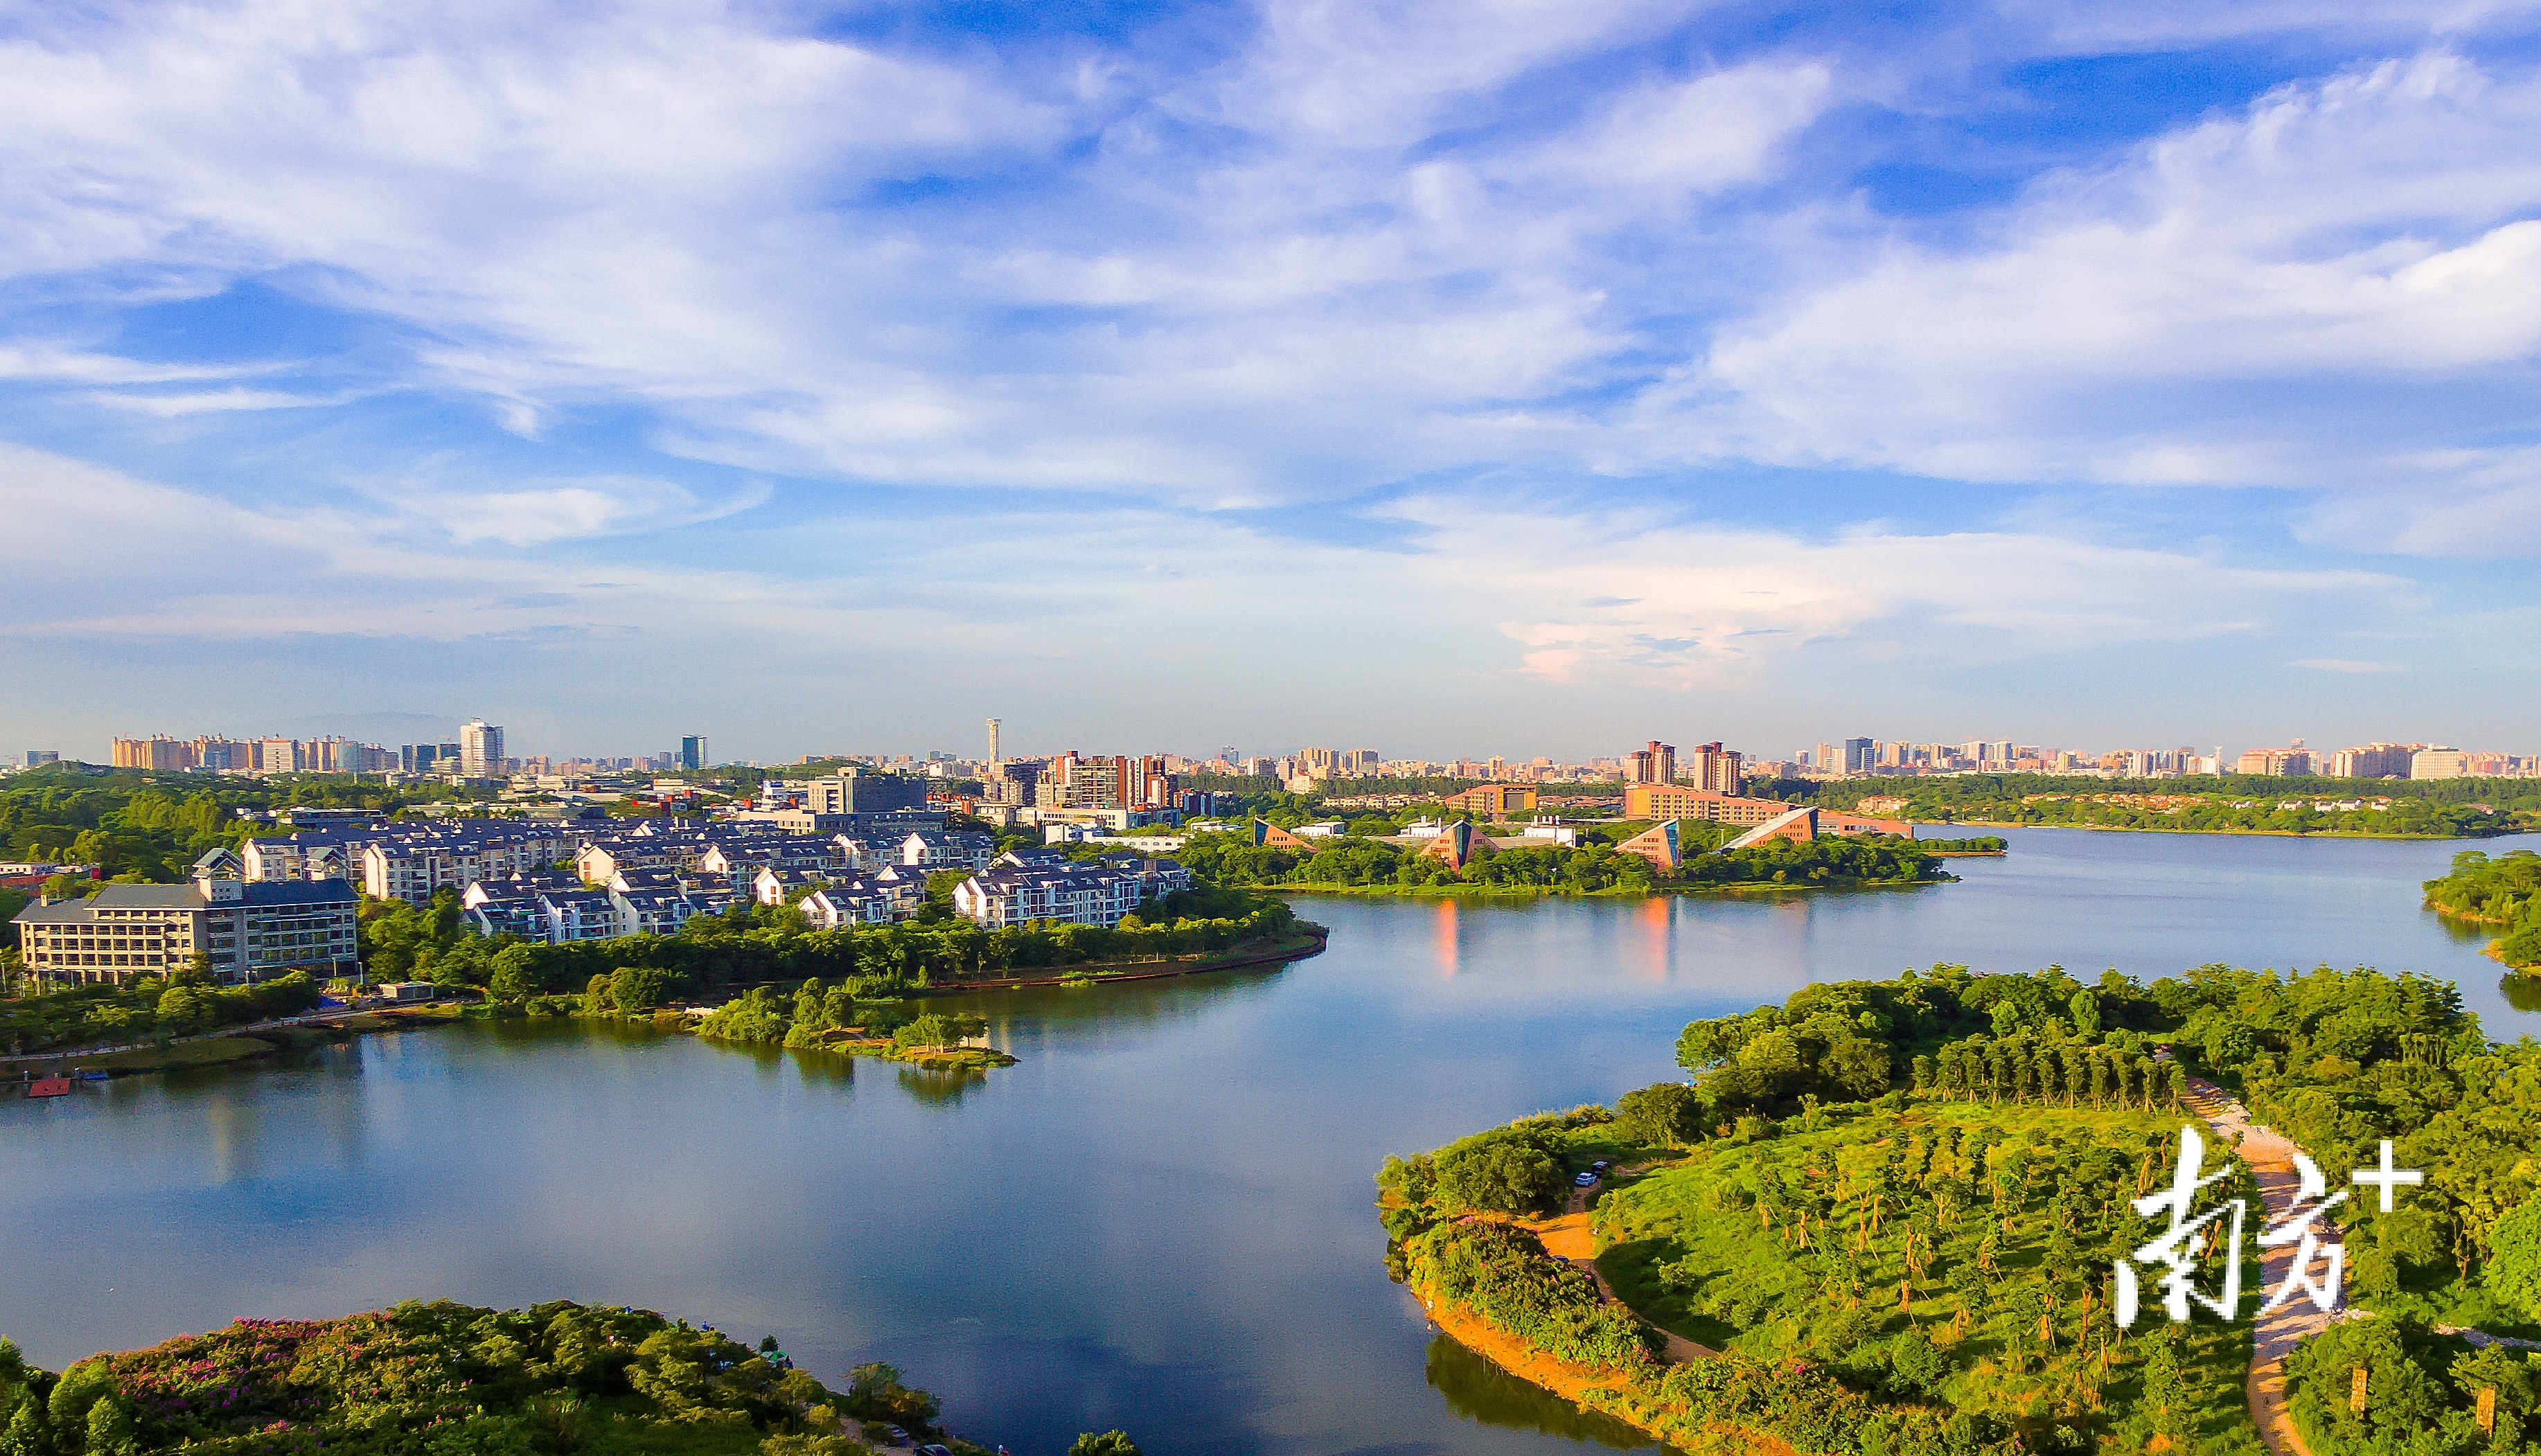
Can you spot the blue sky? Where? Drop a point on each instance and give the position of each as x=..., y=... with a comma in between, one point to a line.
x=1481, y=377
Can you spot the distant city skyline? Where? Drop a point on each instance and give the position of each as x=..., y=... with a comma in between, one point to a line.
x=478, y=742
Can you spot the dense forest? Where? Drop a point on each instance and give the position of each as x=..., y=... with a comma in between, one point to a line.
x=446, y=1379
x=1916, y=1190
x=2504, y=891
x=2448, y=808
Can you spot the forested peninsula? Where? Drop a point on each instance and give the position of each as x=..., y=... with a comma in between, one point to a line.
x=444, y=1379
x=1356, y=863
x=2504, y=891
x=2233, y=803
x=1886, y=1216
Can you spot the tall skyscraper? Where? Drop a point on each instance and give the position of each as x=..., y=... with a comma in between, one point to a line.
x=693, y=751
x=481, y=749
x=1655, y=764
x=1715, y=769
x=1860, y=755
x=993, y=740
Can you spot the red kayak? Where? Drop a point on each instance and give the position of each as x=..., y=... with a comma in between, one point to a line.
x=50, y=1087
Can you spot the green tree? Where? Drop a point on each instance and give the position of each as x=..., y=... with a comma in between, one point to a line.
x=640, y=988
x=2513, y=1269
x=1664, y=1114
x=25, y=1434
x=2085, y=1008
x=110, y=1428
x=515, y=975
x=1503, y=1171
x=1108, y=1443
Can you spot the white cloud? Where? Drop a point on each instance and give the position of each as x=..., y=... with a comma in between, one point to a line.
x=2344, y=665
x=214, y=402
x=1689, y=605
x=55, y=362
x=2198, y=312
x=555, y=510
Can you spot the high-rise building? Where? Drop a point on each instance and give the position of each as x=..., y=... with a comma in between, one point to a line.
x=863, y=793
x=2372, y=760
x=1715, y=769
x=1076, y=781
x=1825, y=759
x=2439, y=762
x=1860, y=755
x=992, y=741
x=481, y=749
x=2285, y=763
x=38, y=758
x=155, y=751
x=1655, y=764
x=693, y=751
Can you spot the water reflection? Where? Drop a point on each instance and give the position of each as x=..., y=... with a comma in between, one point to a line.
x=1158, y=1220
x=1479, y=1390
x=941, y=1086
x=2521, y=991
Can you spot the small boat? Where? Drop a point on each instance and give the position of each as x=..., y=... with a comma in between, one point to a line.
x=50, y=1087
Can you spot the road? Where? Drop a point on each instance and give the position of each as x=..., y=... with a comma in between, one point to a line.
x=2271, y=1157
x=1571, y=1238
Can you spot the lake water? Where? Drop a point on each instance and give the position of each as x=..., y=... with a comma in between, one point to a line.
x=1160, y=1220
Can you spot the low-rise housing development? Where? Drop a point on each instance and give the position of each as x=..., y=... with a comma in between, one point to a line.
x=1019, y=890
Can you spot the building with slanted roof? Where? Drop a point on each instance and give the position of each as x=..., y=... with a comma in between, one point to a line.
x=248, y=931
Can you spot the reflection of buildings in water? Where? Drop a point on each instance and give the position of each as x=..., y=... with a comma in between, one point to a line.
x=1656, y=919
x=1443, y=937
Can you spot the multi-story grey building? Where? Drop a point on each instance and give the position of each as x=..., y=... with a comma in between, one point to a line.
x=247, y=931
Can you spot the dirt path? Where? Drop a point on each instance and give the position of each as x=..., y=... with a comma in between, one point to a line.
x=1571, y=1239
x=2271, y=1157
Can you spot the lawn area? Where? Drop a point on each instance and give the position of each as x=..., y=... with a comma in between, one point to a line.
x=1956, y=1248
x=208, y=1052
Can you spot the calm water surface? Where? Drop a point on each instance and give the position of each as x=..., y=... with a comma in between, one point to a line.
x=1159, y=1220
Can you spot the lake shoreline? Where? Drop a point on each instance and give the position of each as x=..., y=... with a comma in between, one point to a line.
x=2247, y=834
x=1556, y=892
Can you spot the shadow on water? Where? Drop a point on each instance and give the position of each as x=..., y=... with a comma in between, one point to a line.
x=2521, y=991
x=1479, y=1390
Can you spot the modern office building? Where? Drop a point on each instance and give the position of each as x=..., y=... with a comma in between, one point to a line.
x=480, y=750
x=693, y=751
x=863, y=793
